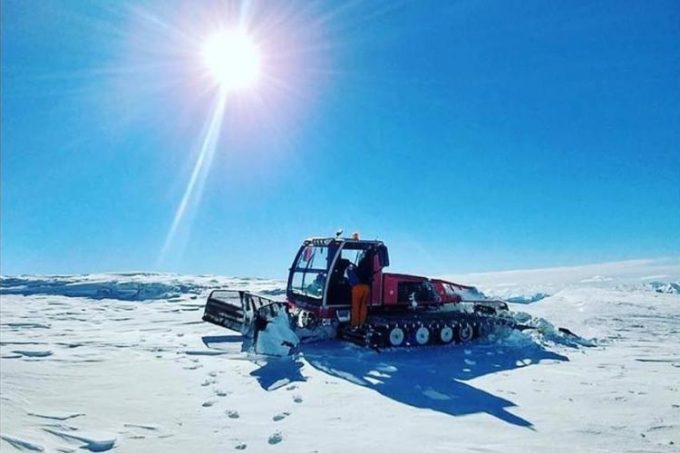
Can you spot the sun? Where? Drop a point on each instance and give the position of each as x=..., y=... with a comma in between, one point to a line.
x=232, y=58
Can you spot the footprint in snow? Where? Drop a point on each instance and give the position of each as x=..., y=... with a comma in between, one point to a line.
x=233, y=414
x=240, y=446
x=297, y=398
x=208, y=403
x=291, y=387
x=275, y=438
x=221, y=393
x=281, y=416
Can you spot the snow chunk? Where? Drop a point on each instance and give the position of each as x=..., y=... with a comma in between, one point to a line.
x=277, y=339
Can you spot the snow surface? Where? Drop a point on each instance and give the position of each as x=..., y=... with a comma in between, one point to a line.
x=123, y=361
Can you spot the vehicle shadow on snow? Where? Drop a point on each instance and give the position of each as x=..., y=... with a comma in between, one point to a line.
x=277, y=372
x=432, y=377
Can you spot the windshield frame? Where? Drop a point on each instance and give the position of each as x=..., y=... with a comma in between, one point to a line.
x=297, y=295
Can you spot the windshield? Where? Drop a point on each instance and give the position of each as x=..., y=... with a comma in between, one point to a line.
x=310, y=272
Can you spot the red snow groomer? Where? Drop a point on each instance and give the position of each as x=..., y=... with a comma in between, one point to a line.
x=403, y=310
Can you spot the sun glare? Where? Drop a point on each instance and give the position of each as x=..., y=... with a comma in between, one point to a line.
x=233, y=59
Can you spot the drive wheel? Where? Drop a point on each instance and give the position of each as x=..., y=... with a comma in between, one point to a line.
x=484, y=329
x=465, y=332
x=446, y=335
x=422, y=335
x=396, y=336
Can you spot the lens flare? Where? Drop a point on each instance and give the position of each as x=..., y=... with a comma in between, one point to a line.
x=194, y=189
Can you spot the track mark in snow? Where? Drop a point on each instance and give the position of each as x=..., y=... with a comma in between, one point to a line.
x=221, y=393
x=33, y=354
x=663, y=428
x=23, y=343
x=60, y=417
x=60, y=427
x=672, y=361
x=146, y=427
x=88, y=442
x=297, y=398
x=70, y=345
x=193, y=367
x=205, y=352
x=233, y=414
x=275, y=438
x=240, y=446
x=26, y=325
x=21, y=444
x=208, y=403
x=281, y=416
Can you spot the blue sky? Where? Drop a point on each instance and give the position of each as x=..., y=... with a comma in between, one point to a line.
x=468, y=135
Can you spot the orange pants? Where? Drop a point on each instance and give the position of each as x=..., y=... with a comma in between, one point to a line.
x=360, y=294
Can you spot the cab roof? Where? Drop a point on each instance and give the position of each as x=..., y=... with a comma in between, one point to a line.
x=321, y=241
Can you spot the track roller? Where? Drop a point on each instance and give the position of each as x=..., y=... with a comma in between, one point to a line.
x=422, y=336
x=465, y=332
x=396, y=336
x=446, y=334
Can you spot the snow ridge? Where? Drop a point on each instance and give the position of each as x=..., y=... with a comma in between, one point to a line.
x=132, y=286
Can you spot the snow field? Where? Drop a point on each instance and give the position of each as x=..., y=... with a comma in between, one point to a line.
x=100, y=373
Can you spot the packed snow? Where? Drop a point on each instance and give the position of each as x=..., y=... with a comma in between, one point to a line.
x=123, y=361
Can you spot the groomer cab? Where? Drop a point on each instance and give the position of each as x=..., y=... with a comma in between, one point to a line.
x=318, y=280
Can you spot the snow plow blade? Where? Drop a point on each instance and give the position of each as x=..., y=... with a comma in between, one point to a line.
x=238, y=310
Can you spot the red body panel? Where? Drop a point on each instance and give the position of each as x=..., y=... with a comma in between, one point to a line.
x=391, y=283
x=384, y=293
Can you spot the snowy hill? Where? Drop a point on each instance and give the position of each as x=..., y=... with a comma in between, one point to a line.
x=530, y=285
x=123, y=361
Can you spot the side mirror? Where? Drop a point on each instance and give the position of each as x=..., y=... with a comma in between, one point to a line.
x=383, y=256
